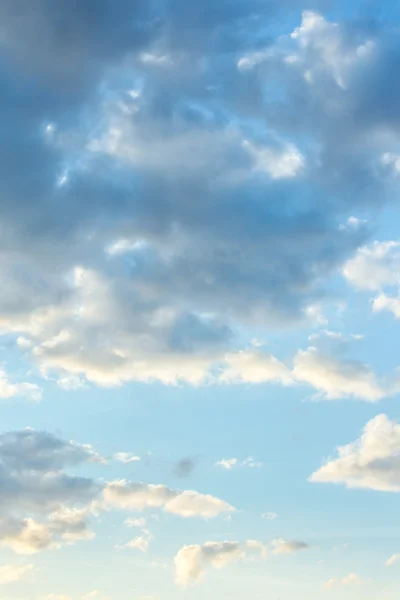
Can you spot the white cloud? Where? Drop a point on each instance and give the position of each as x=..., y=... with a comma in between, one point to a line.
x=392, y=560
x=335, y=379
x=191, y=562
x=140, y=496
x=14, y=390
x=375, y=266
x=288, y=547
x=331, y=377
x=278, y=163
x=230, y=463
x=254, y=366
x=227, y=463
x=140, y=542
x=12, y=573
x=332, y=57
x=370, y=462
x=126, y=458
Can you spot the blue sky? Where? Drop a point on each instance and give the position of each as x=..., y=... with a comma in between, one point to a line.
x=200, y=300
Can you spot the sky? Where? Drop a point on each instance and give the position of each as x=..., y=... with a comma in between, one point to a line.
x=199, y=300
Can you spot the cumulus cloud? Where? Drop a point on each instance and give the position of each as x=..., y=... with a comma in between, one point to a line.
x=42, y=506
x=335, y=379
x=227, y=229
x=141, y=496
x=253, y=366
x=375, y=266
x=191, y=562
x=371, y=462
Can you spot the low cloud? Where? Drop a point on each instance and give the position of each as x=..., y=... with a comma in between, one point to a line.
x=191, y=562
x=371, y=462
x=141, y=496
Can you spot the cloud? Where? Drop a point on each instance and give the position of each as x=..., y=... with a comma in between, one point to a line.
x=279, y=164
x=139, y=523
x=12, y=573
x=41, y=451
x=133, y=282
x=230, y=463
x=335, y=379
x=349, y=580
x=141, y=496
x=138, y=543
x=14, y=390
x=375, y=266
x=392, y=560
x=126, y=458
x=227, y=463
x=41, y=506
x=191, y=562
x=371, y=462
x=253, y=366
x=288, y=547
x=185, y=466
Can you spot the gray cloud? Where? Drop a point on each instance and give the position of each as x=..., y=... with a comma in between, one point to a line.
x=185, y=466
x=216, y=225
x=43, y=507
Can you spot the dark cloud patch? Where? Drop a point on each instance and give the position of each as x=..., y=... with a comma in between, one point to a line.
x=185, y=466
